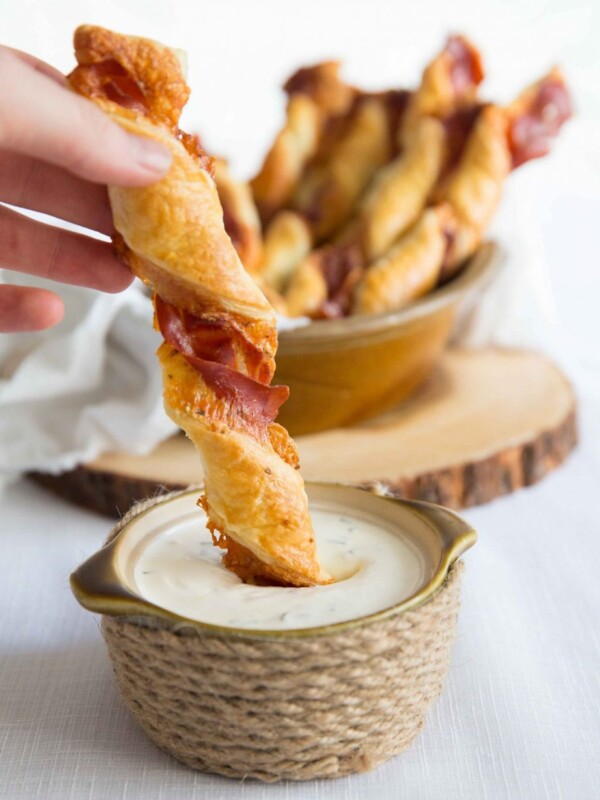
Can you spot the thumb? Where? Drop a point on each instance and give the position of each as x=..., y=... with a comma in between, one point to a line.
x=41, y=118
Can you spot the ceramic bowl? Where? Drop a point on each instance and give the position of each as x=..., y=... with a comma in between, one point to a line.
x=343, y=371
x=281, y=704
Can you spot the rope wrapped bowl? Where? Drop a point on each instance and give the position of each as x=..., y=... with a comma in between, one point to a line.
x=288, y=704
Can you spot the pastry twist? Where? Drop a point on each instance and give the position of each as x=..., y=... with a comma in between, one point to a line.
x=449, y=83
x=410, y=269
x=319, y=103
x=316, y=97
x=240, y=216
x=501, y=139
x=219, y=330
x=399, y=192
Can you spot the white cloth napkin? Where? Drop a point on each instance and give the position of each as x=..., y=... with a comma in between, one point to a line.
x=89, y=385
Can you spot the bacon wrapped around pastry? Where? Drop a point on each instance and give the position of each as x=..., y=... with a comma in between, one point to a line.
x=326, y=199
x=537, y=116
x=501, y=140
x=219, y=330
x=316, y=95
x=449, y=83
x=330, y=188
x=426, y=139
x=323, y=284
x=318, y=105
x=400, y=190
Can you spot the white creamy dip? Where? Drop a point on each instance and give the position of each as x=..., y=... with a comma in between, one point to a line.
x=179, y=569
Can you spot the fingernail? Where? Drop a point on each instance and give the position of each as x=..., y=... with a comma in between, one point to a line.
x=152, y=156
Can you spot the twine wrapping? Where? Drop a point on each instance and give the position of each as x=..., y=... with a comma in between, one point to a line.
x=289, y=708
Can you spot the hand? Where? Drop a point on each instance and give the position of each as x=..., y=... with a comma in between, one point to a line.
x=57, y=153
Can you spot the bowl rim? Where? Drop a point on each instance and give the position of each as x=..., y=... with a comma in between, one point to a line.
x=99, y=587
x=479, y=270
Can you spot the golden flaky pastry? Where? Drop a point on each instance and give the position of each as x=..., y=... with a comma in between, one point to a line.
x=400, y=190
x=219, y=330
x=240, y=215
x=287, y=242
x=410, y=269
x=449, y=82
x=474, y=188
x=293, y=147
x=316, y=98
x=500, y=140
x=329, y=190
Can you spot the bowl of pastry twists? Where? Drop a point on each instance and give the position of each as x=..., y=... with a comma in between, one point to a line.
x=366, y=223
x=279, y=682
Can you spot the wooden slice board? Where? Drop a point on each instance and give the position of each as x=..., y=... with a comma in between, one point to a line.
x=486, y=423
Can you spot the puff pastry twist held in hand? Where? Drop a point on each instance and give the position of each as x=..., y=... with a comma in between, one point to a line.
x=219, y=330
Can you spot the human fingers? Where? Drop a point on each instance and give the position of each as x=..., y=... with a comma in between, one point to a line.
x=49, y=252
x=29, y=183
x=40, y=118
x=38, y=65
x=23, y=308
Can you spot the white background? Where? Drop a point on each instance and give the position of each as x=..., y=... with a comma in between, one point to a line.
x=519, y=717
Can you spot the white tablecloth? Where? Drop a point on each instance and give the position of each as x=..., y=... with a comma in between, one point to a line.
x=520, y=715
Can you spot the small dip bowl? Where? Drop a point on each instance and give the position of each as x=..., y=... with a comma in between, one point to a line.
x=343, y=371
x=295, y=704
